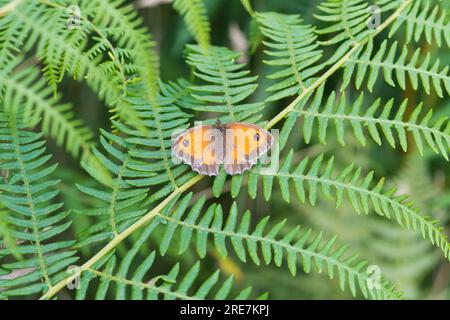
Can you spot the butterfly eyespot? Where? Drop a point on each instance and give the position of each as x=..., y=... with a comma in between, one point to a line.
x=186, y=143
x=256, y=137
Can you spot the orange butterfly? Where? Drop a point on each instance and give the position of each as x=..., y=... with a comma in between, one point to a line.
x=236, y=145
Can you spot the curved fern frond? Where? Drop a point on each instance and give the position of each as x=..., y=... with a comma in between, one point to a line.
x=132, y=281
x=347, y=19
x=360, y=191
x=152, y=155
x=196, y=18
x=121, y=200
x=429, y=74
x=296, y=246
x=227, y=84
x=28, y=197
x=378, y=120
x=293, y=50
x=138, y=163
x=24, y=92
x=421, y=20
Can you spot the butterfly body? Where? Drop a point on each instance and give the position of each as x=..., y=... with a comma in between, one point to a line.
x=237, y=146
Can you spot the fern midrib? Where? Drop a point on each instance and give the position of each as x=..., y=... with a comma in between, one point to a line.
x=114, y=195
x=335, y=67
x=381, y=121
x=420, y=21
x=287, y=246
x=407, y=68
x=226, y=86
x=140, y=284
x=345, y=22
x=157, y=117
x=292, y=56
x=9, y=7
x=422, y=220
x=34, y=218
x=121, y=236
x=152, y=213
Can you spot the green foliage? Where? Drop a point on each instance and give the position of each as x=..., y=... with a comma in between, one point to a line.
x=293, y=49
x=296, y=246
x=426, y=72
x=128, y=275
x=227, y=84
x=377, y=120
x=197, y=22
x=36, y=220
x=136, y=218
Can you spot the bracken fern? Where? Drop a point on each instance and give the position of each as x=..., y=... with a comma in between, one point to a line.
x=140, y=220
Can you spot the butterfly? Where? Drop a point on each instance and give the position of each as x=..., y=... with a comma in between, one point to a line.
x=236, y=145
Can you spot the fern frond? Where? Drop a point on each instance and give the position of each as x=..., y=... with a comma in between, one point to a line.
x=376, y=121
x=121, y=200
x=152, y=155
x=427, y=73
x=122, y=23
x=361, y=191
x=421, y=20
x=196, y=19
x=293, y=50
x=28, y=195
x=227, y=84
x=348, y=22
x=132, y=281
x=138, y=163
x=23, y=91
x=296, y=246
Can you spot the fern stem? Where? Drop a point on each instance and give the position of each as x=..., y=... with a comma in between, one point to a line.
x=275, y=243
x=151, y=214
x=380, y=121
x=140, y=284
x=9, y=7
x=336, y=66
x=31, y=205
x=120, y=237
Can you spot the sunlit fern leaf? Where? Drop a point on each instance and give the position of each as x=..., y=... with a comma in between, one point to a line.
x=121, y=200
x=292, y=49
x=362, y=192
x=377, y=120
x=420, y=20
x=130, y=278
x=152, y=154
x=348, y=23
x=23, y=91
x=35, y=218
x=196, y=19
x=428, y=72
x=227, y=84
x=298, y=247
